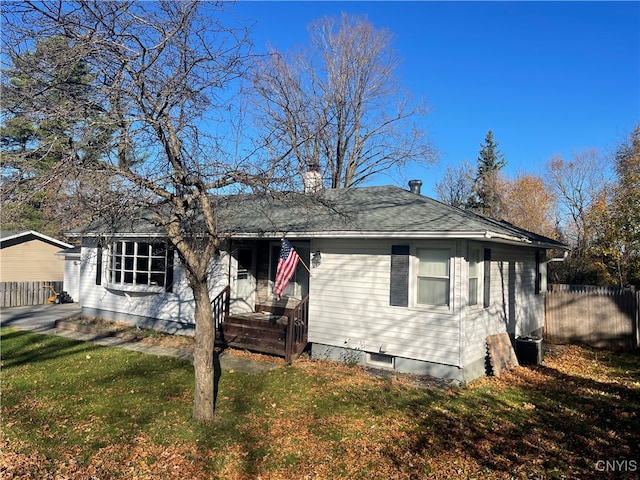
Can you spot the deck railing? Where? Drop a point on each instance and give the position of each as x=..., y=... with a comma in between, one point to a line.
x=220, y=306
x=297, y=330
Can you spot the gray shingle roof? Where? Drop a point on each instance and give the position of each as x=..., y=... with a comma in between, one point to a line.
x=379, y=212
x=372, y=212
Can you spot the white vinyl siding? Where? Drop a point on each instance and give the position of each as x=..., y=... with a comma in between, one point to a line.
x=349, y=304
x=177, y=305
x=514, y=306
x=72, y=278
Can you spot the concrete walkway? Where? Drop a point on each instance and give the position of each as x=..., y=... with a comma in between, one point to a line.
x=42, y=319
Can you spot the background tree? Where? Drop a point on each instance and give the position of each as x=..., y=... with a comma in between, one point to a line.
x=528, y=203
x=46, y=97
x=162, y=77
x=580, y=188
x=485, y=198
x=456, y=186
x=336, y=105
x=626, y=207
x=577, y=183
x=615, y=219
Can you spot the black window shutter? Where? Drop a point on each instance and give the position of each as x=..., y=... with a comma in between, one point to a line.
x=538, y=286
x=399, y=289
x=168, y=284
x=99, y=266
x=487, y=277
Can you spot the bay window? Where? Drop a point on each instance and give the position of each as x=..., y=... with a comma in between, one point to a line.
x=148, y=265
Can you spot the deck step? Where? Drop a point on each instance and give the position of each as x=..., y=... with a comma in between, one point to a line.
x=254, y=332
x=258, y=335
x=257, y=320
x=267, y=327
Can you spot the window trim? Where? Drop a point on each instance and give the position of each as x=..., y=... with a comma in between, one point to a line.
x=480, y=264
x=109, y=271
x=486, y=294
x=414, y=270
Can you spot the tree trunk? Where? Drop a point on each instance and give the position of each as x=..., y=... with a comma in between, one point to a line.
x=203, y=354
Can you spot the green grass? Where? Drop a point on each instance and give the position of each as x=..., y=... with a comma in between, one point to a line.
x=74, y=409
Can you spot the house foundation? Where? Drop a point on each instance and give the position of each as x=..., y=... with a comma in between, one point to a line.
x=399, y=364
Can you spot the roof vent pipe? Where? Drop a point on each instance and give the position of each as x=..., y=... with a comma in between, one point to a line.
x=414, y=186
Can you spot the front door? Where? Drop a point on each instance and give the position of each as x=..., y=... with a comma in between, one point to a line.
x=244, y=299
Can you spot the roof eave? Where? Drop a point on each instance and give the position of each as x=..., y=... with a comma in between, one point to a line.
x=483, y=235
x=41, y=236
x=420, y=235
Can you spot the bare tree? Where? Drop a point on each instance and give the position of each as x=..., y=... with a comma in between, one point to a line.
x=456, y=186
x=162, y=76
x=336, y=106
x=577, y=184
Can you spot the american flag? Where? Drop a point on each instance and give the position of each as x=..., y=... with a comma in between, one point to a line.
x=287, y=264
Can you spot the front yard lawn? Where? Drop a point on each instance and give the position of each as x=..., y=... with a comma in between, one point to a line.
x=74, y=410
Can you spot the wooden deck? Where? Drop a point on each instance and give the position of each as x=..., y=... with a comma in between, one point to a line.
x=283, y=334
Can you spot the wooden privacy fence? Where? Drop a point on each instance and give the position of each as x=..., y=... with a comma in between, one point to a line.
x=605, y=317
x=20, y=294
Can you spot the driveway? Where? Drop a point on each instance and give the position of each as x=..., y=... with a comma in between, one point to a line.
x=38, y=318
x=42, y=319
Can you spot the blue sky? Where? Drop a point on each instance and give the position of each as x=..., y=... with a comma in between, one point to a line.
x=547, y=77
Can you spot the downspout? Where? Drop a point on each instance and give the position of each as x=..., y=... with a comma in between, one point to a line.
x=555, y=259
x=559, y=259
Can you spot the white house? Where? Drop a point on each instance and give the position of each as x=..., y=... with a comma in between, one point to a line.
x=394, y=279
x=71, y=257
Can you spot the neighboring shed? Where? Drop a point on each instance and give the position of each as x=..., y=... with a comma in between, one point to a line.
x=397, y=280
x=28, y=256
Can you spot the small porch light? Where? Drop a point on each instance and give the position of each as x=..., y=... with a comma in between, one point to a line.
x=316, y=259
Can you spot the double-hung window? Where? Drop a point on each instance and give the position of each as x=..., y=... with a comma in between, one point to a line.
x=475, y=275
x=433, y=276
x=139, y=264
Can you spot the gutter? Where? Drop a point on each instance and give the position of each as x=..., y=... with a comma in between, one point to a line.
x=381, y=235
x=359, y=235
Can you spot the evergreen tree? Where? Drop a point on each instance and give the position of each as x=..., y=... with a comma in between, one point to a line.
x=35, y=139
x=485, y=198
